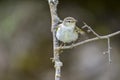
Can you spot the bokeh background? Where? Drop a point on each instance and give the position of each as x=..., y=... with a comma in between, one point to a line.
x=26, y=40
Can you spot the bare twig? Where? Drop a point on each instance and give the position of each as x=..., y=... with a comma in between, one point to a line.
x=90, y=30
x=109, y=52
x=55, y=20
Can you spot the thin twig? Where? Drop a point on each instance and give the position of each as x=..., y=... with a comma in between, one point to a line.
x=109, y=50
x=55, y=20
x=90, y=29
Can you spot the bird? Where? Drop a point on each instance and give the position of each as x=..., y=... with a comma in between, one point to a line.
x=67, y=31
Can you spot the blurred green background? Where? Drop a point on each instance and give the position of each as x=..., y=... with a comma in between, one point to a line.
x=26, y=40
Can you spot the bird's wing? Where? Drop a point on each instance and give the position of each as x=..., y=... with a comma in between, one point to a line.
x=56, y=28
x=79, y=30
x=83, y=34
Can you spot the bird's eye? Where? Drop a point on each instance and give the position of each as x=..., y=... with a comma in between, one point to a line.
x=69, y=21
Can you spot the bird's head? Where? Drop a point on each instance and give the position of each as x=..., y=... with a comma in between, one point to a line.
x=69, y=22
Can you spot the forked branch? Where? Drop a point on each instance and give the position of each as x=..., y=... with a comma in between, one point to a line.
x=94, y=39
x=54, y=22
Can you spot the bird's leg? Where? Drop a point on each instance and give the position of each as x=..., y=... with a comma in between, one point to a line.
x=59, y=50
x=60, y=47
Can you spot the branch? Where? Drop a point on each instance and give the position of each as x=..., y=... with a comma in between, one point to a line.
x=54, y=22
x=94, y=39
x=90, y=29
x=90, y=40
x=109, y=52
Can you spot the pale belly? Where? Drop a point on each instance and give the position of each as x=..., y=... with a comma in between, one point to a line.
x=66, y=36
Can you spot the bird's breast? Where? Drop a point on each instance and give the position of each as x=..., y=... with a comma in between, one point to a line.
x=66, y=34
